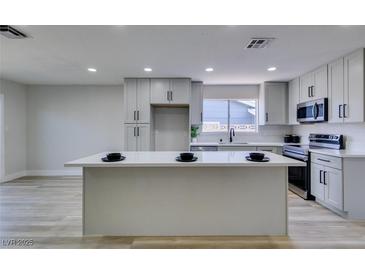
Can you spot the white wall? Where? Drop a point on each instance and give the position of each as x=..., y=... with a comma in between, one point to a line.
x=354, y=133
x=265, y=133
x=14, y=128
x=68, y=122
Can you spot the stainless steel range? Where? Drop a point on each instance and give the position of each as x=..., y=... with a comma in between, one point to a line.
x=299, y=177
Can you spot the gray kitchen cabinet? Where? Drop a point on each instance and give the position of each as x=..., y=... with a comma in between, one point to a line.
x=137, y=107
x=313, y=85
x=293, y=100
x=327, y=182
x=236, y=148
x=196, y=104
x=273, y=103
x=170, y=91
x=346, y=89
x=137, y=137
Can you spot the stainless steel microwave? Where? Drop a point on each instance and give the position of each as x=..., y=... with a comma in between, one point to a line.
x=313, y=111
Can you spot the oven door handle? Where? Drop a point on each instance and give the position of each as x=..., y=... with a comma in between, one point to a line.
x=295, y=156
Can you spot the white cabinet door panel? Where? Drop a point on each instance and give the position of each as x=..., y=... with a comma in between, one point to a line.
x=335, y=91
x=334, y=187
x=276, y=103
x=143, y=101
x=196, y=104
x=317, y=187
x=305, y=82
x=130, y=142
x=159, y=91
x=180, y=91
x=354, y=87
x=130, y=100
x=143, y=137
x=293, y=99
x=320, y=86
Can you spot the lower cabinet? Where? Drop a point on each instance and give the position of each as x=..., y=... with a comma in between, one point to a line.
x=327, y=185
x=137, y=137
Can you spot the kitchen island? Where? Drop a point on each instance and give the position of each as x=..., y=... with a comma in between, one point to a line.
x=151, y=194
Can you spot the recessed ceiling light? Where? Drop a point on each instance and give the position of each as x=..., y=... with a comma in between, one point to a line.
x=209, y=69
x=92, y=69
x=271, y=69
x=147, y=69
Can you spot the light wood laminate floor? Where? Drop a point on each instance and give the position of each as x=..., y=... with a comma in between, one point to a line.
x=47, y=210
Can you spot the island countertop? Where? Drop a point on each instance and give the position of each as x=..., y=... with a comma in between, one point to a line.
x=167, y=159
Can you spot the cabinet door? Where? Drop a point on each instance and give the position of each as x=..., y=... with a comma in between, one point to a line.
x=293, y=99
x=180, y=91
x=143, y=101
x=276, y=103
x=143, y=137
x=334, y=187
x=159, y=91
x=354, y=87
x=306, y=81
x=130, y=137
x=317, y=187
x=130, y=100
x=320, y=86
x=196, y=103
x=335, y=91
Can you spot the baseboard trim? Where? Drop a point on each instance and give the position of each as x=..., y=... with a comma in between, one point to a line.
x=14, y=176
x=72, y=172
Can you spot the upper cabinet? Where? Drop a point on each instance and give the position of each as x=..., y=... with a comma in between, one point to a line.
x=273, y=103
x=346, y=89
x=313, y=85
x=137, y=100
x=170, y=91
x=293, y=99
x=196, y=104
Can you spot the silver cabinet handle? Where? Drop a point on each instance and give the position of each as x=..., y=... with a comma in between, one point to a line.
x=168, y=95
x=267, y=117
x=201, y=117
x=138, y=115
x=312, y=91
x=320, y=176
x=309, y=91
x=171, y=99
x=134, y=131
x=138, y=131
x=134, y=115
x=344, y=111
x=323, y=160
x=339, y=111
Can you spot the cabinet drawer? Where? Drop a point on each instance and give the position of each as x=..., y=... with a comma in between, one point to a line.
x=325, y=160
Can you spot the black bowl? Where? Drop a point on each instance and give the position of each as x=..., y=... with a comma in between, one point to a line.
x=257, y=156
x=186, y=156
x=114, y=156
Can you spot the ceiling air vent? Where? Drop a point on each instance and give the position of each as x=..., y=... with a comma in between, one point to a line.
x=11, y=32
x=259, y=43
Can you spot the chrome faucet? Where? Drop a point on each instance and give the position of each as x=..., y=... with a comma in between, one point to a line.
x=231, y=134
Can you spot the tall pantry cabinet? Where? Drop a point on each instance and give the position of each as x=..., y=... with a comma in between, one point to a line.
x=137, y=113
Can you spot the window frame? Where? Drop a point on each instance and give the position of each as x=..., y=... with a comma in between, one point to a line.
x=229, y=118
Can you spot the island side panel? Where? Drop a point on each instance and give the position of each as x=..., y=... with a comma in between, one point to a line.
x=185, y=201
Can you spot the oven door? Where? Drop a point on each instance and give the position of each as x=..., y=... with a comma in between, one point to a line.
x=299, y=180
x=313, y=111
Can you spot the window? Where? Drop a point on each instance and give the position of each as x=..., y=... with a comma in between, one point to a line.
x=221, y=115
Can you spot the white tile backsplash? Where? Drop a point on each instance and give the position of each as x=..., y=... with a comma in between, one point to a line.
x=354, y=133
x=265, y=134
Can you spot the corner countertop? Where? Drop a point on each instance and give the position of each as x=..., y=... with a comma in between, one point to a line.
x=167, y=159
x=248, y=144
x=342, y=153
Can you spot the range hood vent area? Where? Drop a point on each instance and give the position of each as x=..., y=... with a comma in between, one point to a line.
x=259, y=43
x=11, y=32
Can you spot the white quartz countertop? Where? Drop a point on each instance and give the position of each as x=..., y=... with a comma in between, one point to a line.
x=343, y=153
x=248, y=144
x=167, y=159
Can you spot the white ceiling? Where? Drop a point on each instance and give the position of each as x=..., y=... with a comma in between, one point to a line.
x=62, y=54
